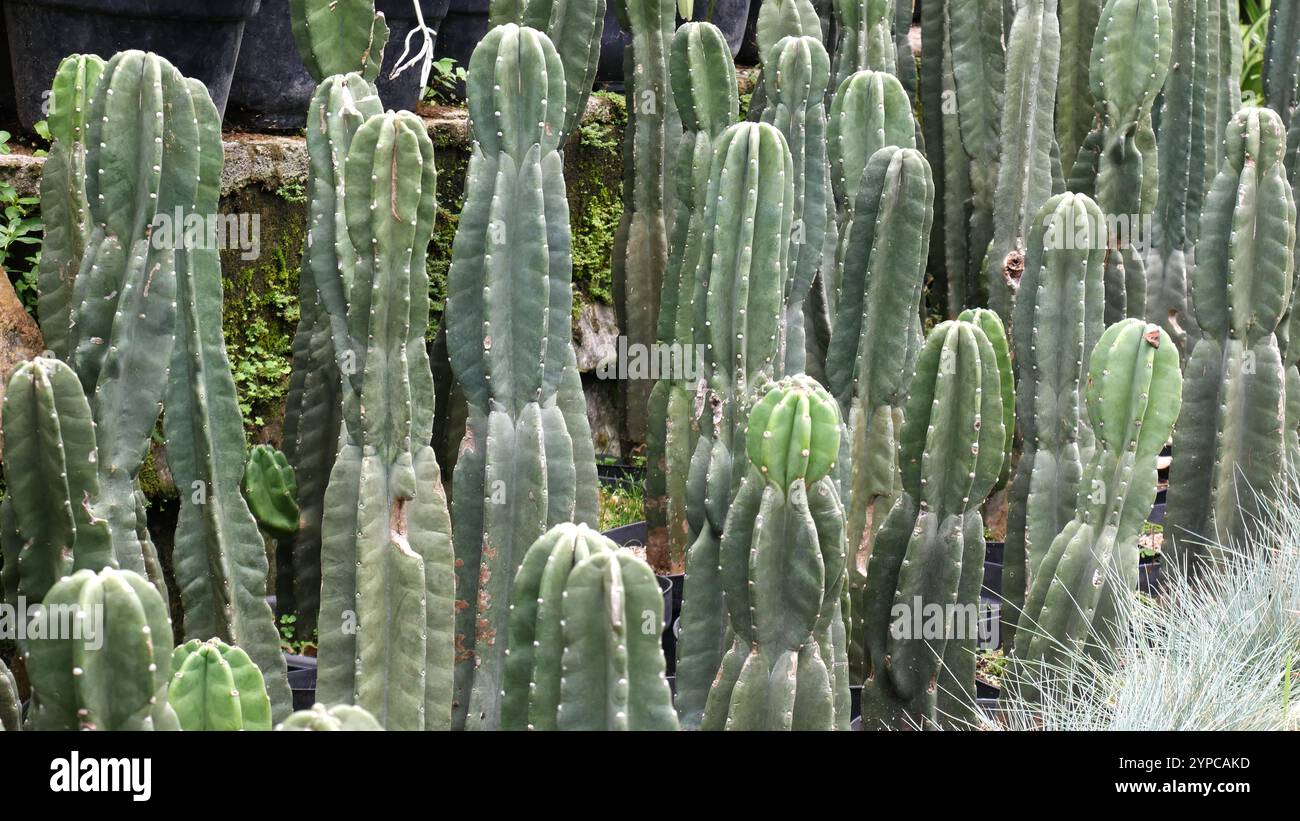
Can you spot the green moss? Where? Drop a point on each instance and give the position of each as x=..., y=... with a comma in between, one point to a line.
x=594, y=171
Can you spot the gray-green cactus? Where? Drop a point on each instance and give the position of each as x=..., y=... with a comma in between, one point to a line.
x=585, y=622
x=1133, y=394
x=49, y=516
x=63, y=197
x=739, y=286
x=526, y=461
x=1058, y=320
x=650, y=151
x=873, y=349
x=340, y=717
x=928, y=554
x=778, y=19
x=112, y=670
x=1282, y=60
x=218, y=555
x=217, y=687
x=271, y=491
x=782, y=569
x=864, y=38
x=339, y=37
x=704, y=85
x=388, y=582
x=313, y=414
x=798, y=69
x=1075, y=107
x=1229, y=440
x=1029, y=169
x=1118, y=163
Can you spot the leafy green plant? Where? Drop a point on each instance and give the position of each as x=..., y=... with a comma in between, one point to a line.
x=444, y=80
x=1254, y=37
x=621, y=504
x=21, y=226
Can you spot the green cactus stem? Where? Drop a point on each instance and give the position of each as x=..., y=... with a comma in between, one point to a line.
x=782, y=569
x=1133, y=394
x=864, y=38
x=271, y=491
x=1058, y=321
x=525, y=462
x=63, y=198
x=739, y=301
x=339, y=37
x=928, y=553
x=1075, y=113
x=1282, y=60
x=1229, y=439
x=778, y=19
x=704, y=85
x=114, y=675
x=217, y=687
x=340, y=717
x=11, y=711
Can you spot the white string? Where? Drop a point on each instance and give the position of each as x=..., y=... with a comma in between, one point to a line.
x=425, y=53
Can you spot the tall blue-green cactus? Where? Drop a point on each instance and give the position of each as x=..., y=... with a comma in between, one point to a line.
x=798, y=70
x=873, y=350
x=314, y=408
x=585, y=626
x=1131, y=56
x=63, y=197
x=52, y=485
x=218, y=555
x=521, y=466
x=1075, y=107
x=650, y=151
x=1029, y=169
x=112, y=670
x=1133, y=394
x=778, y=19
x=1189, y=142
x=1282, y=60
x=864, y=38
x=1058, y=320
x=928, y=554
x=782, y=569
x=704, y=84
x=217, y=687
x=739, y=287
x=1229, y=441
x=388, y=580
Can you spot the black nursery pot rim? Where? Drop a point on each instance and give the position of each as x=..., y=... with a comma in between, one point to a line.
x=230, y=10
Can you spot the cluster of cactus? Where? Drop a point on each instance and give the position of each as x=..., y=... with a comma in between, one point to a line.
x=704, y=87
x=864, y=37
x=744, y=261
x=778, y=19
x=928, y=553
x=340, y=717
x=1133, y=395
x=1230, y=439
x=526, y=461
x=782, y=567
x=584, y=635
x=217, y=687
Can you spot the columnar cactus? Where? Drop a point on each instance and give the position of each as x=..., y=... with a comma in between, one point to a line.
x=1133, y=394
x=218, y=555
x=1130, y=60
x=1029, y=167
x=993, y=328
x=778, y=19
x=388, y=580
x=1229, y=441
x=1282, y=60
x=52, y=486
x=144, y=159
x=112, y=672
x=704, y=85
x=520, y=467
x=575, y=28
x=217, y=687
x=313, y=413
x=873, y=348
x=585, y=622
x=1189, y=143
x=271, y=491
x=782, y=570
x=11, y=711
x=928, y=554
x=864, y=38
x=63, y=197
x=340, y=717
x=798, y=69
x=339, y=36
x=641, y=243
x=1075, y=107
x=1058, y=320
x=741, y=279
x=904, y=11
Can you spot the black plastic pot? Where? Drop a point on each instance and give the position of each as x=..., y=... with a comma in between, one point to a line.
x=671, y=633
x=1149, y=578
x=1157, y=516
x=855, y=701
x=302, y=680
x=993, y=551
x=730, y=16
x=633, y=535
x=271, y=89
x=616, y=473
x=200, y=39
x=463, y=26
